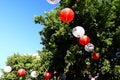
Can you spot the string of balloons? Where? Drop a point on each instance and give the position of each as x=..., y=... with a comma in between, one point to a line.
x=21, y=72
x=66, y=15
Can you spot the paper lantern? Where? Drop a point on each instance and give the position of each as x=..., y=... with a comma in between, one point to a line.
x=95, y=56
x=47, y=75
x=66, y=15
x=53, y=1
x=33, y=74
x=21, y=72
x=84, y=40
x=89, y=47
x=7, y=69
x=78, y=31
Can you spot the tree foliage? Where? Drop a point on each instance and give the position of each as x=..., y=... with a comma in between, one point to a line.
x=100, y=19
x=28, y=62
x=62, y=51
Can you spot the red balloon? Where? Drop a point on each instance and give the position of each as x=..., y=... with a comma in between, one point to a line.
x=21, y=72
x=47, y=75
x=66, y=15
x=95, y=56
x=84, y=40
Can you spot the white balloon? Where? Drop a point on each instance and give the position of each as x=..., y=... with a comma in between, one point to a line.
x=53, y=1
x=78, y=31
x=7, y=69
x=34, y=74
x=89, y=47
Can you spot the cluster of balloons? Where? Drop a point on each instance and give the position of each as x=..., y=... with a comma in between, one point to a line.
x=84, y=40
x=67, y=15
x=21, y=72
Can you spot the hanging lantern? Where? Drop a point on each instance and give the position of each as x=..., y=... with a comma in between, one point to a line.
x=53, y=1
x=89, y=47
x=95, y=56
x=78, y=31
x=84, y=40
x=47, y=75
x=7, y=69
x=33, y=74
x=66, y=15
x=21, y=72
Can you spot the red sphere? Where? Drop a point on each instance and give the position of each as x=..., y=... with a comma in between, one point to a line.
x=66, y=15
x=47, y=75
x=21, y=72
x=95, y=56
x=84, y=40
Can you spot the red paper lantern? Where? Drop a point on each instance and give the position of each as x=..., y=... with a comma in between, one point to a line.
x=84, y=40
x=95, y=56
x=47, y=75
x=66, y=15
x=21, y=72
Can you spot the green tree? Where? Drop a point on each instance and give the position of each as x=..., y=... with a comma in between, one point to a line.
x=101, y=21
x=28, y=62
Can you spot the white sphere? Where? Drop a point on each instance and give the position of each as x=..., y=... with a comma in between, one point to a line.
x=78, y=31
x=53, y=1
x=7, y=69
x=89, y=47
x=33, y=74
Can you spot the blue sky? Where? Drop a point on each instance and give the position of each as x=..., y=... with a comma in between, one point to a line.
x=18, y=32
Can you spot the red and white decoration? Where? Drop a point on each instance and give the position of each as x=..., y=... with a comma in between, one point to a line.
x=33, y=74
x=89, y=47
x=21, y=72
x=47, y=75
x=66, y=15
x=78, y=31
x=7, y=69
x=95, y=56
x=84, y=40
x=53, y=1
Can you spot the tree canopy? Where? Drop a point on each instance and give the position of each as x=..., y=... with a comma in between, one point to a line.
x=100, y=19
x=63, y=54
x=28, y=62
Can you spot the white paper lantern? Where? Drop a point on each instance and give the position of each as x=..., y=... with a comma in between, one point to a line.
x=78, y=31
x=89, y=47
x=34, y=74
x=53, y=1
x=7, y=69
